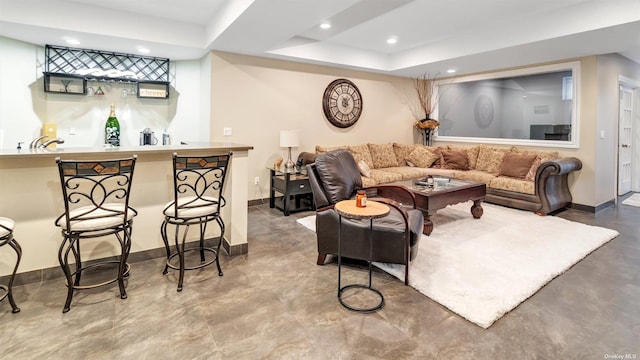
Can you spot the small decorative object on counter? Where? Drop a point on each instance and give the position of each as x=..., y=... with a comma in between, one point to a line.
x=112, y=129
x=361, y=198
x=166, y=138
x=277, y=163
x=147, y=137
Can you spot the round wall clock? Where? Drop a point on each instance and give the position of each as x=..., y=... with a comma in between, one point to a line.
x=342, y=103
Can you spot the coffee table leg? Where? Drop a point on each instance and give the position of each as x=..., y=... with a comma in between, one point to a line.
x=428, y=225
x=476, y=209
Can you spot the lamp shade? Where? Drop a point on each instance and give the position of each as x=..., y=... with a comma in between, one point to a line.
x=289, y=138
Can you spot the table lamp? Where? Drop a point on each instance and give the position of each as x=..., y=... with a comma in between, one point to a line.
x=289, y=139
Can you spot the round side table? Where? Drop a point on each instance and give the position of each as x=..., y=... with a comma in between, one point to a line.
x=349, y=210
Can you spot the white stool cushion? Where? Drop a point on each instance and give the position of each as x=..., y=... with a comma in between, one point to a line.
x=8, y=223
x=196, y=209
x=91, y=224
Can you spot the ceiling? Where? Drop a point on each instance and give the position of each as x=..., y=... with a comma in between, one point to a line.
x=432, y=35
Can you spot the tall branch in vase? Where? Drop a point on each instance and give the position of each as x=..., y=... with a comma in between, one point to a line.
x=428, y=100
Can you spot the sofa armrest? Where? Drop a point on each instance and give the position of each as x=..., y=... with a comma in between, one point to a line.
x=324, y=208
x=558, y=167
x=398, y=193
x=551, y=183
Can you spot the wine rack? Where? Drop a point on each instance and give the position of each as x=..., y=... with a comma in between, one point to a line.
x=67, y=70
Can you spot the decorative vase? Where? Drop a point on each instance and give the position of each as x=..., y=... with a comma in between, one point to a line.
x=428, y=136
x=427, y=127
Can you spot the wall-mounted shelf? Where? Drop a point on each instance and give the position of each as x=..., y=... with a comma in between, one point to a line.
x=65, y=84
x=67, y=71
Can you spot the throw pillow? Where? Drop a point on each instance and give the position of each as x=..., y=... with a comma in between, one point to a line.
x=541, y=157
x=490, y=159
x=436, y=150
x=455, y=159
x=364, y=169
x=516, y=165
x=402, y=151
x=472, y=155
x=421, y=157
x=324, y=149
x=383, y=155
x=361, y=152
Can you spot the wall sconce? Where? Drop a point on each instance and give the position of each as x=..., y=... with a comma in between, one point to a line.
x=289, y=139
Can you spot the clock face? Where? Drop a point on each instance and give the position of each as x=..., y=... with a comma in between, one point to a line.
x=342, y=103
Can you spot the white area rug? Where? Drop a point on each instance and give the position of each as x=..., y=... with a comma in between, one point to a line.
x=633, y=200
x=482, y=269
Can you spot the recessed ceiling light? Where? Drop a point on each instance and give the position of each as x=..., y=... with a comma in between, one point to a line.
x=143, y=50
x=392, y=40
x=451, y=71
x=73, y=42
x=325, y=26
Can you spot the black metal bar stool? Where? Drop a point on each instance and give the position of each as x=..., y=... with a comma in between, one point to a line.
x=198, y=185
x=6, y=238
x=96, y=203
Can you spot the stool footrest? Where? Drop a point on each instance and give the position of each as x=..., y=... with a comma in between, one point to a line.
x=194, y=267
x=107, y=282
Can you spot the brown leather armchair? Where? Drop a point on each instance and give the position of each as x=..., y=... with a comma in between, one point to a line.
x=335, y=177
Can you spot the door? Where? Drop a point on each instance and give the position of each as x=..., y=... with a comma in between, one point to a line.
x=625, y=135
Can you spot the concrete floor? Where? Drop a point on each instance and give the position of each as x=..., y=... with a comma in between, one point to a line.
x=275, y=303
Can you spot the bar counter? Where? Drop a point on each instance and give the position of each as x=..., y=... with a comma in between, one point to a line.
x=30, y=194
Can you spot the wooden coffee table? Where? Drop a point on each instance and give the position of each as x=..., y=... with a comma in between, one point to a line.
x=430, y=200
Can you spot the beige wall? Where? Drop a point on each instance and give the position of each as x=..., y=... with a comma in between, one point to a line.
x=582, y=182
x=258, y=97
x=610, y=67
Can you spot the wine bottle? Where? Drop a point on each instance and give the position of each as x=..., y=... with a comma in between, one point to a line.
x=112, y=129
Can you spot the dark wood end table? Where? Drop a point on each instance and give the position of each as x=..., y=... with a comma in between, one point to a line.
x=294, y=185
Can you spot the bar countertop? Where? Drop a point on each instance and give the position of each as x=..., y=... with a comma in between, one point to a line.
x=25, y=152
x=31, y=196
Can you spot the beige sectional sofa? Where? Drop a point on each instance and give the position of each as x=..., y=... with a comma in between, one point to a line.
x=521, y=178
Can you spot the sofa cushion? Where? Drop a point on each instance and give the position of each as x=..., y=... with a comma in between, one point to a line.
x=455, y=159
x=361, y=152
x=409, y=173
x=421, y=157
x=475, y=175
x=472, y=153
x=402, y=151
x=383, y=155
x=438, y=151
x=364, y=169
x=382, y=176
x=542, y=157
x=512, y=184
x=490, y=159
x=516, y=165
x=367, y=181
x=324, y=149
